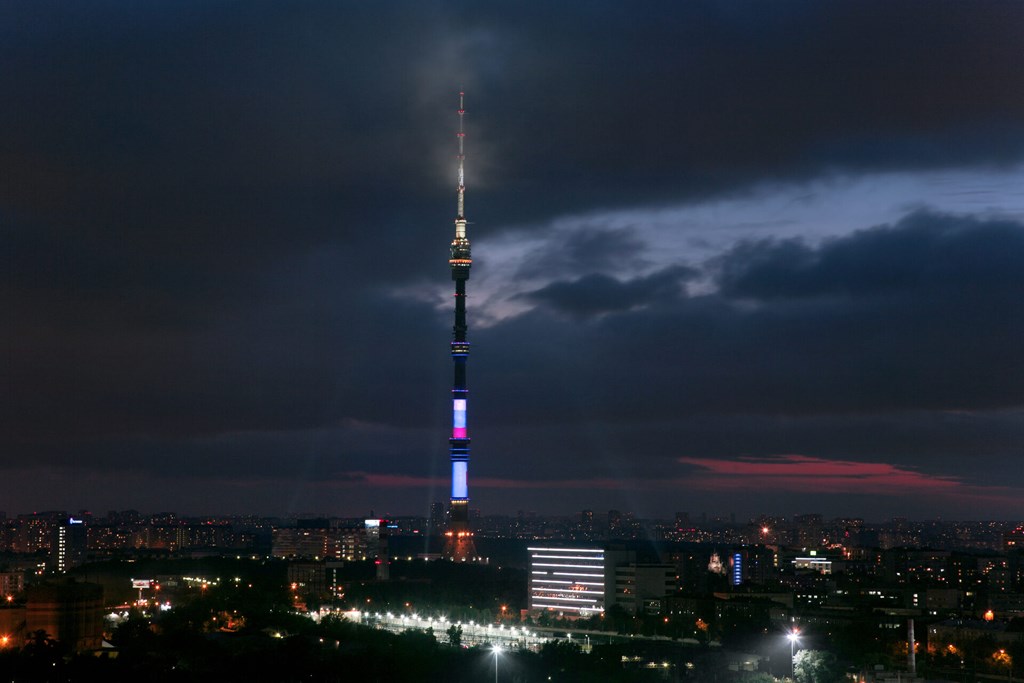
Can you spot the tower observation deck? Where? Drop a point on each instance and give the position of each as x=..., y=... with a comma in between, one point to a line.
x=459, y=545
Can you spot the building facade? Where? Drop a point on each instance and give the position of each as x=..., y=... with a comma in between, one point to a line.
x=569, y=581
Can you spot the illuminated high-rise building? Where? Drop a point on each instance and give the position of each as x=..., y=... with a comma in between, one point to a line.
x=459, y=544
x=67, y=549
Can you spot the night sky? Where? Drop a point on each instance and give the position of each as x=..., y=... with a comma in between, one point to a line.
x=728, y=256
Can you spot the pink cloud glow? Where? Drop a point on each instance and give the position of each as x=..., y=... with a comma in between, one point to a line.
x=803, y=473
x=779, y=474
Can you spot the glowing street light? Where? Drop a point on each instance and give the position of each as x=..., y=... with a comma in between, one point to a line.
x=497, y=651
x=793, y=636
x=1004, y=658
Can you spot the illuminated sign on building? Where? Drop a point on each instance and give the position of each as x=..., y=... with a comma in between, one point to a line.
x=819, y=564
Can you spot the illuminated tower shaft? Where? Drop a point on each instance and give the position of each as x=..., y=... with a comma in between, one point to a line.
x=459, y=544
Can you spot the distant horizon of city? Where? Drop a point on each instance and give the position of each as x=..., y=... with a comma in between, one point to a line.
x=478, y=514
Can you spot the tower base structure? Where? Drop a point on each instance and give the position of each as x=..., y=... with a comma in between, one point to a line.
x=459, y=545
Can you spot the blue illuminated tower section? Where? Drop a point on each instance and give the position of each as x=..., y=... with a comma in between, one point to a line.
x=459, y=544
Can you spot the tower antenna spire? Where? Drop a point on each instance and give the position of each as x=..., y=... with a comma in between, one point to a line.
x=462, y=156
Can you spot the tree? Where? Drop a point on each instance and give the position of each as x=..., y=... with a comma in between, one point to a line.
x=754, y=677
x=816, y=666
x=618, y=619
x=454, y=635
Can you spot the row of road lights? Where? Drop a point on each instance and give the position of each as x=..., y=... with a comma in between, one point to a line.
x=793, y=636
x=511, y=634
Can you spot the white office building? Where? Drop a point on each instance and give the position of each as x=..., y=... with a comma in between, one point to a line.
x=570, y=581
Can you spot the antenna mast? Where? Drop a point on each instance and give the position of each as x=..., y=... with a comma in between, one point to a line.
x=460, y=260
x=462, y=157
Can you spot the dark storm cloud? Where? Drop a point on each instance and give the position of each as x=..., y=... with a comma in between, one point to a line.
x=938, y=440
x=321, y=117
x=587, y=250
x=207, y=208
x=215, y=136
x=595, y=294
x=927, y=254
x=895, y=346
x=709, y=96
x=291, y=363
x=338, y=454
x=922, y=315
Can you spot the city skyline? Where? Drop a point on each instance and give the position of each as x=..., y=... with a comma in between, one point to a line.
x=729, y=257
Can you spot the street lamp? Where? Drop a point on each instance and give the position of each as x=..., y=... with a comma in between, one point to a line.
x=497, y=651
x=793, y=636
x=1004, y=658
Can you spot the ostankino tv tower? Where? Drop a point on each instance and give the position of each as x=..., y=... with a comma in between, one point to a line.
x=459, y=544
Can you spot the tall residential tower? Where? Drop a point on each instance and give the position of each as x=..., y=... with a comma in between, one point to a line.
x=459, y=538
